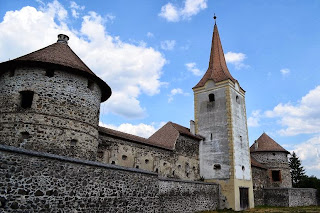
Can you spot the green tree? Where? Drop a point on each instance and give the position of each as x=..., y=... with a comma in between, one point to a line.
x=297, y=171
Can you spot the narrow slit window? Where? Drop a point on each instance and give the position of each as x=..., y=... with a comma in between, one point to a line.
x=211, y=97
x=237, y=99
x=50, y=73
x=211, y=136
x=90, y=84
x=26, y=99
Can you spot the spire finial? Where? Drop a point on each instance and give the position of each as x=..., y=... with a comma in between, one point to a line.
x=214, y=17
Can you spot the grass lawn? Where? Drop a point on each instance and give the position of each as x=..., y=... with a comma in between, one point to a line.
x=263, y=209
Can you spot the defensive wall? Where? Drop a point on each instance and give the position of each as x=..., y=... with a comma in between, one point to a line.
x=35, y=181
x=290, y=197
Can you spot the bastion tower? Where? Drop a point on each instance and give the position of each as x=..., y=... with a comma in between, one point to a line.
x=220, y=117
x=50, y=102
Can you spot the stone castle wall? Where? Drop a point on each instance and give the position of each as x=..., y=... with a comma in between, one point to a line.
x=182, y=163
x=180, y=196
x=260, y=180
x=290, y=197
x=63, y=117
x=33, y=182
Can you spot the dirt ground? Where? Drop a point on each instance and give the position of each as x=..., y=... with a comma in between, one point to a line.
x=308, y=209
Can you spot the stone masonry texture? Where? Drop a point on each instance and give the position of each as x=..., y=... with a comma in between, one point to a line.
x=39, y=182
x=63, y=117
x=186, y=196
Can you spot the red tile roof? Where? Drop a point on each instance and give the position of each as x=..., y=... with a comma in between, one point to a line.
x=169, y=133
x=266, y=144
x=255, y=163
x=217, y=70
x=58, y=55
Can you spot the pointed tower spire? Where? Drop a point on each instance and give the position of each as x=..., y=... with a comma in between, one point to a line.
x=217, y=70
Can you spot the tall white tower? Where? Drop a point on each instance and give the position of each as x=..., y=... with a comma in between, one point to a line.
x=220, y=117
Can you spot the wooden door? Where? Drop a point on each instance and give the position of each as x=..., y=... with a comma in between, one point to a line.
x=244, y=198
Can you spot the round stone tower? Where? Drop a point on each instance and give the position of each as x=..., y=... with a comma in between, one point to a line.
x=50, y=102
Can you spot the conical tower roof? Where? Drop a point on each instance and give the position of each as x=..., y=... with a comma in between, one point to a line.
x=266, y=144
x=58, y=55
x=217, y=70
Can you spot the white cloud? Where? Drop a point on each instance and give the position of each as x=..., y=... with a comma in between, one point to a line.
x=75, y=9
x=254, y=119
x=168, y=44
x=150, y=35
x=285, y=71
x=142, y=130
x=236, y=59
x=192, y=67
x=300, y=118
x=174, y=92
x=190, y=8
x=130, y=70
x=308, y=152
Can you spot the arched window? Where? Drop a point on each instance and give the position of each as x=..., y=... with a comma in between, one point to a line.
x=211, y=97
x=237, y=99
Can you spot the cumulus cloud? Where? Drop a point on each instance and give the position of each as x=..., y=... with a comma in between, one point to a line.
x=236, y=59
x=75, y=8
x=142, y=130
x=285, y=71
x=192, y=67
x=190, y=8
x=309, y=154
x=130, y=70
x=300, y=118
x=254, y=119
x=167, y=44
x=174, y=92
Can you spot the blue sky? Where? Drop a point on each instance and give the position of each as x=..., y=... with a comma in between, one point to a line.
x=152, y=53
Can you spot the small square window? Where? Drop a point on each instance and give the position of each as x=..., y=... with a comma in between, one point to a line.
x=276, y=175
x=26, y=99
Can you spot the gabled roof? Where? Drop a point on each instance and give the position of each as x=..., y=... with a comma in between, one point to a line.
x=169, y=133
x=58, y=55
x=266, y=144
x=255, y=163
x=130, y=137
x=217, y=70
